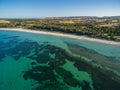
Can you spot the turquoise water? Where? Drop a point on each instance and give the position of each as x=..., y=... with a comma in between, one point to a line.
x=43, y=62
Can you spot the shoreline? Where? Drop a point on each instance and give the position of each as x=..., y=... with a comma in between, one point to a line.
x=63, y=35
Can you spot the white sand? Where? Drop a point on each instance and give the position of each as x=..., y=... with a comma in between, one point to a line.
x=63, y=35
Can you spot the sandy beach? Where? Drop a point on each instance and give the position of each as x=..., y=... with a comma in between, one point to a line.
x=63, y=35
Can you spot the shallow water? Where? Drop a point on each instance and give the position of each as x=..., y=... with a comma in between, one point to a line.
x=42, y=62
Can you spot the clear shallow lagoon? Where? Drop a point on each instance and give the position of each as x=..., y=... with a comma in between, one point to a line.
x=42, y=62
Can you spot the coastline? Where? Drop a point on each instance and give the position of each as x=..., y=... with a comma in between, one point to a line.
x=63, y=35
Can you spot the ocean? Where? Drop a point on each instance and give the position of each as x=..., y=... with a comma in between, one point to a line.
x=31, y=61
